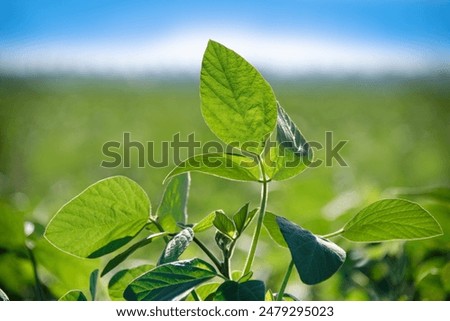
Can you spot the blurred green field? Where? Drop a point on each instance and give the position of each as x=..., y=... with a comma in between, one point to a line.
x=52, y=130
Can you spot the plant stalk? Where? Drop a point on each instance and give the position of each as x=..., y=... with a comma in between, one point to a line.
x=38, y=286
x=339, y=232
x=262, y=211
x=285, y=281
x=208, y=253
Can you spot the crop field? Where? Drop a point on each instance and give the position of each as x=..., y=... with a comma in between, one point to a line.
x=394, y=140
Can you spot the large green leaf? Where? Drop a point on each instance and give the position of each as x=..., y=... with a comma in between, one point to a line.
x=224, y=224
x=121, y=279
x=176, y=246
x=114, y=262
x=238, y=104
x=73, y=295
x=173, y=206
x=169, y=281
x=253, y=290
x=391, y=219
x=290, y=154
x=315, y=258
x=230, y=166
x=104, y=217
x=12, y=236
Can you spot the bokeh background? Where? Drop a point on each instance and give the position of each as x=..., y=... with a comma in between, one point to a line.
x=76, y=74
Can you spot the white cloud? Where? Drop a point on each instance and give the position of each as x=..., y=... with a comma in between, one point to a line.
x=285, y=55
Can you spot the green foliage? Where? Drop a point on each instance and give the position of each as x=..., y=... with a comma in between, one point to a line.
x=114, y=262
x=391, y=219
x=173, y=206
x=224, y=224
x=73, y=295
x=169, y=281
x=240, y=108
x=237, y=102
x=253, y=290
x=119, y=282
x=103, y=218
x=176, y=246
x=315, y=258
x=230, y=166
x=291, y=154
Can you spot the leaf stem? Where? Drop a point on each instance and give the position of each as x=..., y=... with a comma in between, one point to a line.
x=160, y=228
x=39, y=291
x=338, y=232
x=208, y=253
x=262, y=210
x=285, y=281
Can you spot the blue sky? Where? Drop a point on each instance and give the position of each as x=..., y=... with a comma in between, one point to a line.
x=127, y=35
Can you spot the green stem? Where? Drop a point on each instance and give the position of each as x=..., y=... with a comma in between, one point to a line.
x=339, y=232
x=39, y=291
x=209, y=254
x=160, y=228
x=285, y=281
x=262, y=211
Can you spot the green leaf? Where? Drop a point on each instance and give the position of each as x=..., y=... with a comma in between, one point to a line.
x=223, y=242
x=240, y=218
x=271, y=225
x=3, y=296
x=205, y=223
x=224, y=224
x=169, y=281
x=204, y=291
x=391, y=219
x=229, y=166
x=73, y=295
x=315, y=258
x=93, y=279
x=253, y=290
x=176, y=246
x=103, y=218
x=12, y=236
x=238, y=104
x=114, y=262
x=290, y=154
x=121, y=279
x=173, y=206
x=269, y=296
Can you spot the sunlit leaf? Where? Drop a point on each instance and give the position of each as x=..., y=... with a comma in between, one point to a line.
x=121, y=279
x=173, y=206
x=391, y=219
x=229, y=166
x=238, y=104
x=103, y=218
